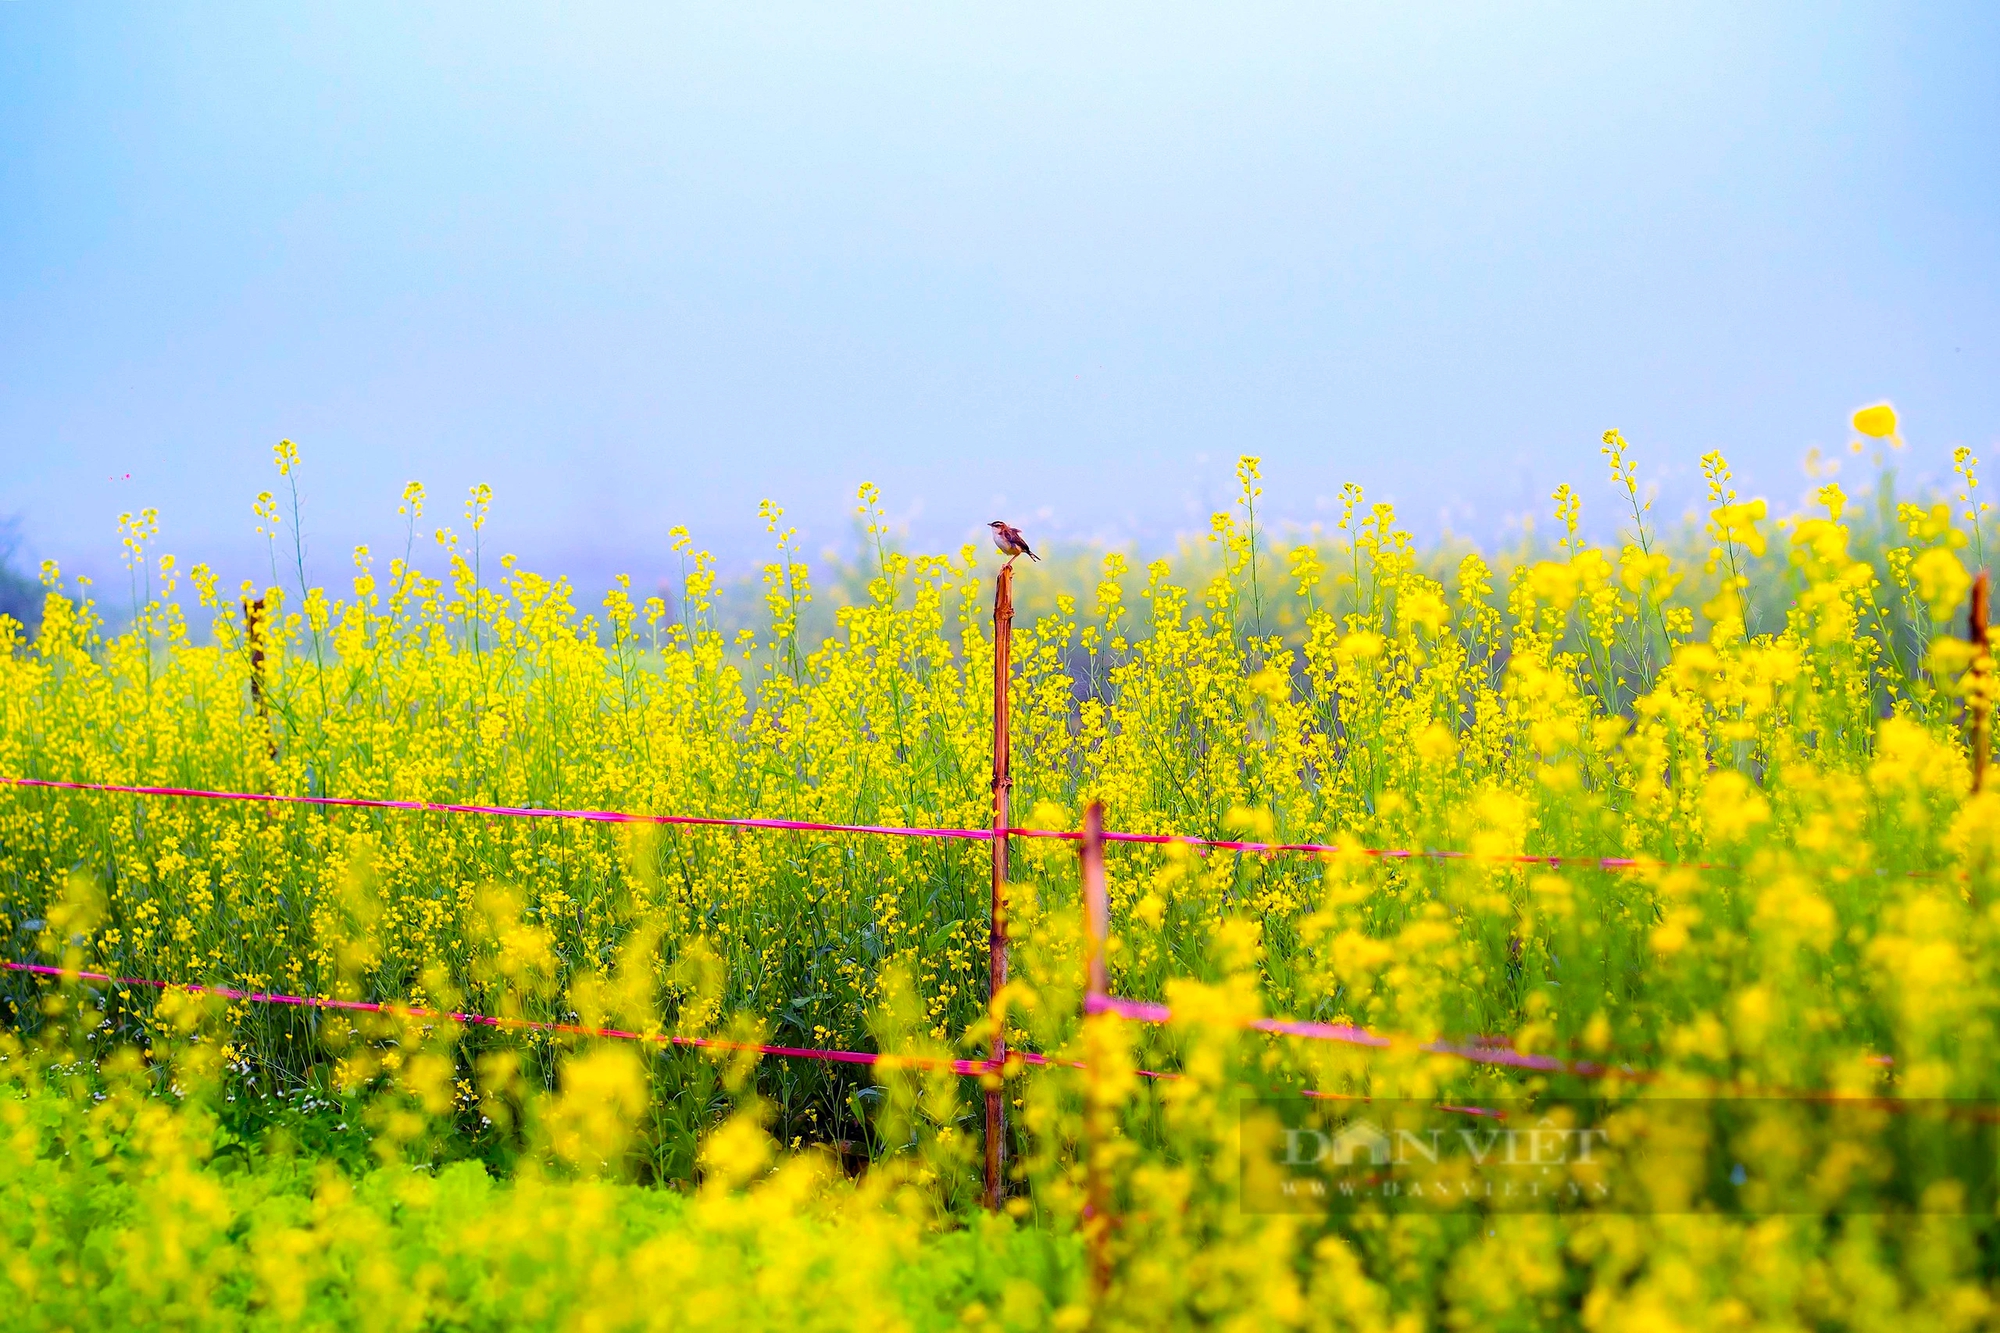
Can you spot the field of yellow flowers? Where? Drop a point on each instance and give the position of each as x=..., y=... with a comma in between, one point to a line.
x=1776, y=719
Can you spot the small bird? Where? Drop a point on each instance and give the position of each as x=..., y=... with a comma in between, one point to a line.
x=1010, y=541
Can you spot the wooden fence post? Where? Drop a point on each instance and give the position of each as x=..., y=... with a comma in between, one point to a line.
x=1096, y=1112
x=996, y=937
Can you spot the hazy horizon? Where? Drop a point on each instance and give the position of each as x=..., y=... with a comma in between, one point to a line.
x=639, y=266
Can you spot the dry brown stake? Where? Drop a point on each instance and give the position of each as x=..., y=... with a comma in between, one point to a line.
x=253, y=637
x=1978, y=709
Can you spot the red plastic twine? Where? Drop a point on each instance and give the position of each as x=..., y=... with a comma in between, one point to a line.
x=965, y=1068
x=1095, y=1004
x=971, y=1068
x=1136, y=1010
x=1485, y=1052
x=883, y=830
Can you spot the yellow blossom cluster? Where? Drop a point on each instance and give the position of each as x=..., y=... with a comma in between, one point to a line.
x=1695, y=808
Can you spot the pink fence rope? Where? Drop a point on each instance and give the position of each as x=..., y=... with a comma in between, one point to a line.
x=1484, y=1052
x=969, y=1068
x=1490, y=1051
x=965, y=1068
x=1135, y=1010
x=504, y=811
x=880, y=830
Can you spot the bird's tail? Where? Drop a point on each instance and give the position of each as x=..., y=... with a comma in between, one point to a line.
x=1032, y=556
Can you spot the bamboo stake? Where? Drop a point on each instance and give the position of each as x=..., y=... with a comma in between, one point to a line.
x=1978, y=709
x=996, y=939
x=1096, y=1114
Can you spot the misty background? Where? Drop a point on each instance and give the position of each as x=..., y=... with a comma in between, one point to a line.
x=640, y=265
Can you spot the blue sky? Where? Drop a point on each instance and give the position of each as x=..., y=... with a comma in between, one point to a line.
x=645, y=265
